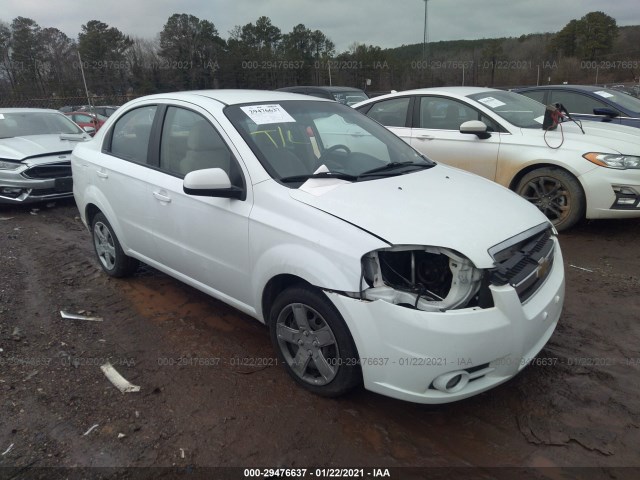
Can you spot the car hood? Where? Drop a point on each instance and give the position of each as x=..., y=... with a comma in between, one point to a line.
x=19, y=148
x=442, y=206
x=612, y=138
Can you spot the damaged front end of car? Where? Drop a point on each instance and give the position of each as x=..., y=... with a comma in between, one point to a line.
x=432, y=279
x=437, y=279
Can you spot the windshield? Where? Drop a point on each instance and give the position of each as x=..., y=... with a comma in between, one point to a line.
x=22, y=124
x=625, y=100
x=516, y=109
x=301, y=138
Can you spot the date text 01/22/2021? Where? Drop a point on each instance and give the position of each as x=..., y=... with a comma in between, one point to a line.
x=317, y=473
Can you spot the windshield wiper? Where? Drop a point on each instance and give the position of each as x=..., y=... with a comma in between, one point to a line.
x=394, y=166
x=304, y=178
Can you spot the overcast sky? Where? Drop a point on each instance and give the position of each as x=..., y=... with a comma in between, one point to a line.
x=385, y=23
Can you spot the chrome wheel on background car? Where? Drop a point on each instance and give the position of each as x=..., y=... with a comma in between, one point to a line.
x=108, y=250
x=313, y=342
x=556, y=193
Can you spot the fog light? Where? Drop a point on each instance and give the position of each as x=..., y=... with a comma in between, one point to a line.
x=11, y=192
x=452, y=382
x=626, y=197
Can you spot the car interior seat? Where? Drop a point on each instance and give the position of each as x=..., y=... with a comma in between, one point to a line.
x=205, y=149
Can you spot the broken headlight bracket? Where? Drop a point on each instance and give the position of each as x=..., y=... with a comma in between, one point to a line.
x=426, y=278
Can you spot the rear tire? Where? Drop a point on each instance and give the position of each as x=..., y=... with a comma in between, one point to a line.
x=313, y=342
x=110, y=255
x=556, y=193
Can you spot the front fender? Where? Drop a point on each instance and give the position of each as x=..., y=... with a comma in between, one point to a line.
x=335, y=273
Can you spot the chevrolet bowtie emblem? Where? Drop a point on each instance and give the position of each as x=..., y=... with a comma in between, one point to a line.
x=543, y=267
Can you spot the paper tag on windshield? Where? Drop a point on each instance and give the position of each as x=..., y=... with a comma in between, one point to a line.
x=604, y=94
x=491, y=102
x=264, y=114
x=1, y=116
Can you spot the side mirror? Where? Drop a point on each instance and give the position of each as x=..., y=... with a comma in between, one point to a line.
x=212, y=182
x=90, y=130
x=606, y=112
x=475, y=127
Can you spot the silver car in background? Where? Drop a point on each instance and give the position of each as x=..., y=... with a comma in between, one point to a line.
x=35, y=149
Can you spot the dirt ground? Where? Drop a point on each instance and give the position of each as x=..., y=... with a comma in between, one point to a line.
x=208, y=398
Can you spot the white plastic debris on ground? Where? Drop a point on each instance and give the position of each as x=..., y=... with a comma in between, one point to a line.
x=118, y=380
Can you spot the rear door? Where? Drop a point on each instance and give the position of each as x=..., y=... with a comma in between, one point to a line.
x=120, y=172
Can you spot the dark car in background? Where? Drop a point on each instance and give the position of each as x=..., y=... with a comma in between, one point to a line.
x=346, y=95
x=35, y=152
x=586, y=102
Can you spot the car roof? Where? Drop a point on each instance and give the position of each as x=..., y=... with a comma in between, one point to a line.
x=29, y=110
x=232, y=96
x=447, y=91
x=584, y=88
x=323, y=88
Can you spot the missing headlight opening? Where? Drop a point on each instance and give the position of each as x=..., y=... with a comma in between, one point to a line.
x=425, y=278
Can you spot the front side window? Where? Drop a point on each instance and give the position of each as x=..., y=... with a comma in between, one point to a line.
x=440, y=113
x=516, y=109
x=577, y=102
x=130, y=137
x=189, y=142
x=297, y=138
x=444, y=113
x=390, y=113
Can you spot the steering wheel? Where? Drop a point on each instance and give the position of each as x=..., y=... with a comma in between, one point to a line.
x=327, y=153
x=335, y=147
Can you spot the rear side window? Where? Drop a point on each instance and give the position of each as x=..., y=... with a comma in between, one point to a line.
x=130, y=138
x=390, y=113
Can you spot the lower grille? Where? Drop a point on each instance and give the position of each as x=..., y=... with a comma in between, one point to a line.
x=53, y=170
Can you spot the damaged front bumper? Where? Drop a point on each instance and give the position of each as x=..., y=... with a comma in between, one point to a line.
x=30, y=184
x=412, y=355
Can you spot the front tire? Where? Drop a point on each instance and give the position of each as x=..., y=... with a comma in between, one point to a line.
x=313, y=342
x=110, y=255
x=556, y=193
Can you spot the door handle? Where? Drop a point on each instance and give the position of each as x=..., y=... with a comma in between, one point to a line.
x=425, y=137
x=161, y=197
x=102, y=174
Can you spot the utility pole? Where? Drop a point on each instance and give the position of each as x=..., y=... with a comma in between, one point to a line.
x=425, y=38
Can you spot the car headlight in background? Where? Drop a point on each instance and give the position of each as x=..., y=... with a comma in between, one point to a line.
x=609, y=160
x=4, y=165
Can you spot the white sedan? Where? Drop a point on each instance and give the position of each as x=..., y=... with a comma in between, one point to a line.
x=319, y=222
x=569, y=173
